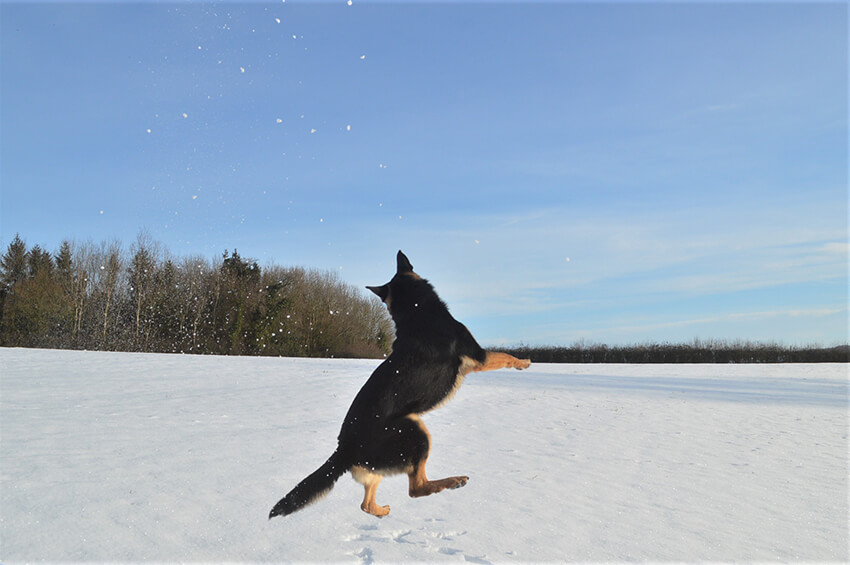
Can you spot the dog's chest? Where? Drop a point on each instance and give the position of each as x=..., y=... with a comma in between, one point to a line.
x=467, y=365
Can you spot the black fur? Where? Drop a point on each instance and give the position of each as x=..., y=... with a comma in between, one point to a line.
x=421, y=373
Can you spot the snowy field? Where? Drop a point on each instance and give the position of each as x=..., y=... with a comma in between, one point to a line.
x=140, y=458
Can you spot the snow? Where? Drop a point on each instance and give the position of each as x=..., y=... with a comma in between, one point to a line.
x=126, y=457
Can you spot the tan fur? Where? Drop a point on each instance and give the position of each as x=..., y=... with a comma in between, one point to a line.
x=370, y=481
x=496, y=360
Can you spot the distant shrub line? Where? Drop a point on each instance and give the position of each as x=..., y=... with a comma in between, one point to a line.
x=698, y=351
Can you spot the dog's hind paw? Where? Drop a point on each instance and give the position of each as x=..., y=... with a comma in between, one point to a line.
x=459, y=482
x=431, y=487
x=375, y=510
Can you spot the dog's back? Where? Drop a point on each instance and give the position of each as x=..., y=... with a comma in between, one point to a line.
x=427, y=356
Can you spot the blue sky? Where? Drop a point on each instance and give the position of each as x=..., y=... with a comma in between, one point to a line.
x=609, y=172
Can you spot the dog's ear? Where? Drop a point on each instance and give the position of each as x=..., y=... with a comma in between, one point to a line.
x=381, y=291
x=403, y=263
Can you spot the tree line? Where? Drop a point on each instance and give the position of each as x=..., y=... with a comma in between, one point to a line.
x=105, y=297
x=698, y=351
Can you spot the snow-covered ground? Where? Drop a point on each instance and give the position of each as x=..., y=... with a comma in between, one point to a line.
x=139, y=457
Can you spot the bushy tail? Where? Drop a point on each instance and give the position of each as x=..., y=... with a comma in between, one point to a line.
x=314, y=487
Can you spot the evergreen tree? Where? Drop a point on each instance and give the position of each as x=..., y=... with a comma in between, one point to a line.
x=166, y=308
x=39, y=261
x=13, y=264
x=240, y=279
x=64, y=262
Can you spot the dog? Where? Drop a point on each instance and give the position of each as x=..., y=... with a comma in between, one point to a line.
x=383, y=433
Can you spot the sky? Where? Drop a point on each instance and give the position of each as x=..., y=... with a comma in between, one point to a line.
x=607, y=173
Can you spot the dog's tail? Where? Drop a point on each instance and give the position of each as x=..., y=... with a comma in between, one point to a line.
x=318, y=484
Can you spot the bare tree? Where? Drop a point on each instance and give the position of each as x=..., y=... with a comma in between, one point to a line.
x=107, y=266
x=143, y=263
x=197, y=274
x=80, y=282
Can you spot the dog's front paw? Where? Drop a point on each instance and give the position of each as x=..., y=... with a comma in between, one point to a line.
x=521, y=364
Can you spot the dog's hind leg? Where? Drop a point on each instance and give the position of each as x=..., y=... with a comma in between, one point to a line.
x=421, y=486
x=370, y=482
x=419, y=483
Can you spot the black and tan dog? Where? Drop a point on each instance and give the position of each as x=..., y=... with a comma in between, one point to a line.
x=382, y=433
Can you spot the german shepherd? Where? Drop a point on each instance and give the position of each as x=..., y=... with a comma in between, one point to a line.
x=382, y=434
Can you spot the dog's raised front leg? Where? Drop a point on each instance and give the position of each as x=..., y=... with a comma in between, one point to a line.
x=496, y=360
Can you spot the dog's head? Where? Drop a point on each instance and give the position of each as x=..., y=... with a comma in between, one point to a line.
x=406, y=290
